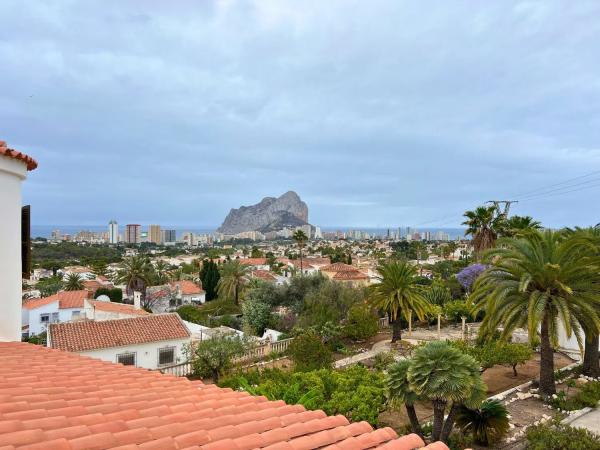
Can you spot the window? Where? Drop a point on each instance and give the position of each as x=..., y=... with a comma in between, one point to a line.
x=44, y=318
x=75, y=315
x=127, y=359
x=54, y=317
x=166, y=355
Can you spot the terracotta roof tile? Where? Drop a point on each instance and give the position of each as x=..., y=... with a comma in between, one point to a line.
x=127, y=408
x=11, y=153
x=66, y=299
x=187, y=287
x=89, y=335
x=350, y=275
x=337, y=267
x=118, y=308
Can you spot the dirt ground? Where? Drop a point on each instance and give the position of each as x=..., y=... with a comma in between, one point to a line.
x=498, y=379
x=355, y=347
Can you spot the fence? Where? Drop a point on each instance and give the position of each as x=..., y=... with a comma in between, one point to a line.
x=383, y=322
x=179, y=370
x=255, y=353
x=263, y=350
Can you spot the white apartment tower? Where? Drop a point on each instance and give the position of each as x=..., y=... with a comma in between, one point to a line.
x=113, y=232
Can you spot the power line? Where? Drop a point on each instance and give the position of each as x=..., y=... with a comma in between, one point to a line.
x=548, y=195
x=557, y=184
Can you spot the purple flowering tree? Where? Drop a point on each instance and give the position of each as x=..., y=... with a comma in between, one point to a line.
x=469, y=274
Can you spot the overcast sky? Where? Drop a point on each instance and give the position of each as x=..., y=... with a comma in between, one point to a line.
x=376, y=112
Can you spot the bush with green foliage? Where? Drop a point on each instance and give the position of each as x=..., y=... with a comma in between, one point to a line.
x=209, y=313
x=356, y=392
x=330, y=302
x=588, y=396
x=308, y=352
x=361, y=323
x=215, y=356
x=257, y=316
x=457, y=309
x=115, y=294
x=495, y=352
x=49, y=286
x=487, y=424
x=561, y=437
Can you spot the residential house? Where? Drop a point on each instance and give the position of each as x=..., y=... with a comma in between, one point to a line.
x=345, y=273
x=84, y=272
x=149, y=341
x=168, y=297
x=255, y=263
x=268, y=276
x=106, y=310
x=64, y=306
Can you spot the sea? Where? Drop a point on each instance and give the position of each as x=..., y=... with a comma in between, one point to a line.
x=45, y=231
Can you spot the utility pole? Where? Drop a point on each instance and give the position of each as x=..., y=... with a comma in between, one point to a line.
x=506, y=203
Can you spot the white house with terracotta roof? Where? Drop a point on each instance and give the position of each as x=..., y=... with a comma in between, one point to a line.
x=69, y=306
x=63, y=306
x=190, y=291
x=150, y=341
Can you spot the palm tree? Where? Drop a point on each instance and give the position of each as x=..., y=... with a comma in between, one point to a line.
x=74, y=282
x=519, y=224
x=398, y=294
x=399, y=392
x=135, y=273
x=233, y=277
x=483, y=224
x=442, y=374
x=591, y=362
x=488, y=423
x=540, y=280
x=161, y=272
x=300, y=238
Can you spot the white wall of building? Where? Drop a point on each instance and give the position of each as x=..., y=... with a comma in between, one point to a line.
x=146, y=354
x=32, y=317
x=12, y=173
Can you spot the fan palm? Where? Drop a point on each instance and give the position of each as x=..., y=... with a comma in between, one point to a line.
x=540, y=280
x=442, y=374
x=399, y=391
x=483, y=224
x=398, y=294
x=74, y=282
x=488, y=423
x=300, y=238
x=231, y=283
x=135, y=273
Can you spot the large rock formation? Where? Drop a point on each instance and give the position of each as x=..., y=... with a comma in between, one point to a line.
x=271, y=214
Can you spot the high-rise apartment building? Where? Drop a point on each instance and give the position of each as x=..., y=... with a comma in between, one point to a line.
x=113, y=232
x=169, y=236
x=154, y=234
x=133, y=233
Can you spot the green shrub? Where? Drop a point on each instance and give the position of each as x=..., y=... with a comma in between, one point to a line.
x=115, y=294
x=588, y=396
x=383, y=360
x=487, y=424
x=308, y=352
x=355, y=392
x=456, y=309
x=561, y=437
x=361, y=323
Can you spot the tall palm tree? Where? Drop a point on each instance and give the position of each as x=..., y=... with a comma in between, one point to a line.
x=591, y=355
x=398, y=294
x=484, y=225
x=231, y=283
x=517, y=225
x=136, y=274
x=540, y=280
x=300, y=238
x=74, y=282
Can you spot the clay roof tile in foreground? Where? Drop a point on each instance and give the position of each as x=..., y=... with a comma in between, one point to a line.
x=11, y=153
x=56, y=400
x=91, y=335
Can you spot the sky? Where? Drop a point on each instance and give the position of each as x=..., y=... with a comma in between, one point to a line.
x=377, y=113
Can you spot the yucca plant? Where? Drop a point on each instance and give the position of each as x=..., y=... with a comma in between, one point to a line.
x=487, y=424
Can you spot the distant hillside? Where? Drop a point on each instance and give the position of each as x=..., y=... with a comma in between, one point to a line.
x=271, y=214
